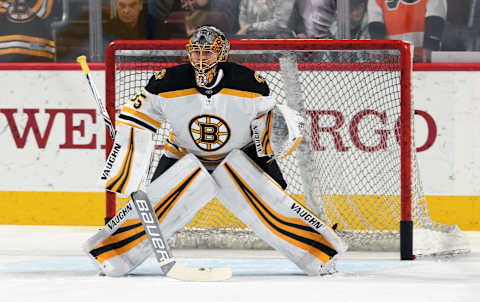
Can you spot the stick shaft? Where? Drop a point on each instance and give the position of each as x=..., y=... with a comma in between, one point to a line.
x=98, y=99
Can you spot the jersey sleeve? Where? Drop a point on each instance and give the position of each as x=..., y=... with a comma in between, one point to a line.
x=437, y=8
x=264, y=104
x=248, y=80
x=143, y=112
x=375, y=12
x=241, y=78
x=435, y=15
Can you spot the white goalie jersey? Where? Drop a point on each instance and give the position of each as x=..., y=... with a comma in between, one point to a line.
x=207, y=122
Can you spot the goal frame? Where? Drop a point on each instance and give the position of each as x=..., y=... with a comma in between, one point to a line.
x=405, y=68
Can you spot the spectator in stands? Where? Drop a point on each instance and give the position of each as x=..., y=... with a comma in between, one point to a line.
x=421, y=22
x=461, y=25
x=187, y=15
x=197, y=15
x=26, y=33
x=232, y=7
x=157, y=13
x=358, y=21
x=207, y=12
x=128, y=24
x=315, y=18
x=265, y=19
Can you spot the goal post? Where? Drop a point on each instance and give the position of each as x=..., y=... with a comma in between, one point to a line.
x=357, y=165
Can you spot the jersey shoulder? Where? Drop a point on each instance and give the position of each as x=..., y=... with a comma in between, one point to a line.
x=243, y=78
x=171, y=79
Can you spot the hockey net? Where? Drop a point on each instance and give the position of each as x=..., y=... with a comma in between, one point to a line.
x=357, y=165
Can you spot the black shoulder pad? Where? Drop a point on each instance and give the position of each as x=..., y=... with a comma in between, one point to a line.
x=171, y=79
x=243, y=78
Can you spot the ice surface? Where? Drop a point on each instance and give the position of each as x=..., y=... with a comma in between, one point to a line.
x=47, y=264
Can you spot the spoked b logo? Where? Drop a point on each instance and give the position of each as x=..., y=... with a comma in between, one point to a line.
x=209, y=132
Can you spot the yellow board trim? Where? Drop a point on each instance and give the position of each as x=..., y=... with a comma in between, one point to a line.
x=463, y=211
x=52, y=208
x=88, y=208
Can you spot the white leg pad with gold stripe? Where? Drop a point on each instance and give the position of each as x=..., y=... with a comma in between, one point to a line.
x=272, y=214
x=176, y=196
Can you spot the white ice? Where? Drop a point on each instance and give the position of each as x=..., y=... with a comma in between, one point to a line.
x=47, y=264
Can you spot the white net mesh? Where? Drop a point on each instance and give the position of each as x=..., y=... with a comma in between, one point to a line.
x=347, y=169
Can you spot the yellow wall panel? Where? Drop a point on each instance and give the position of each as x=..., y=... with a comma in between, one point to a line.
x=463, y=211
x=52, y=208
x=88, y=208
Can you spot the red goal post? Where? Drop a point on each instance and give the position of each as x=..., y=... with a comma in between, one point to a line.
x=344, y=58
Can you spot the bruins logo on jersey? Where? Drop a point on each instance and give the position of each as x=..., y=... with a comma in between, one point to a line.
x=209, y=132
x=258, y=77
x=160, y=74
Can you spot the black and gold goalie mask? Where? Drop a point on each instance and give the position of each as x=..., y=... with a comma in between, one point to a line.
x=206, y=48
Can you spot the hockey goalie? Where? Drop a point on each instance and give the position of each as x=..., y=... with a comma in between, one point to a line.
x=227, y=134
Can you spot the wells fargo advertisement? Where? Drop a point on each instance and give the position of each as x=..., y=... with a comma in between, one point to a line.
x=53, y=146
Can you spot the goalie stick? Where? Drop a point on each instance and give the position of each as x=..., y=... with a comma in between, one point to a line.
x=147, y=215
x=106, y=118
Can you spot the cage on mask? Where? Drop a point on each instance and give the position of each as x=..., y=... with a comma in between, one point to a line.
x=207, y=46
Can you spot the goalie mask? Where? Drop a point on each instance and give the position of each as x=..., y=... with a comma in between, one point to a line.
x=206, y=48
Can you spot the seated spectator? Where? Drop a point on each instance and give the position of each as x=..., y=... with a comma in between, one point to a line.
x=358, y=21
x=26, y=30
x=157, y=13
x=232, y=7
x=265, y=19
x=203, y=12
x=128, y=24
x=315, y=18
x=420, y=22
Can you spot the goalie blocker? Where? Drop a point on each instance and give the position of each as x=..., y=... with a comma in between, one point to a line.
x=275, y=217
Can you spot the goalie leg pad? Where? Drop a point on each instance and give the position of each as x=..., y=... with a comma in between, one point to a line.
x=176, y=197
x=273, y=215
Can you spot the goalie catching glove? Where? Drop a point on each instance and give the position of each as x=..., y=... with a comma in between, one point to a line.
x=278, y=132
